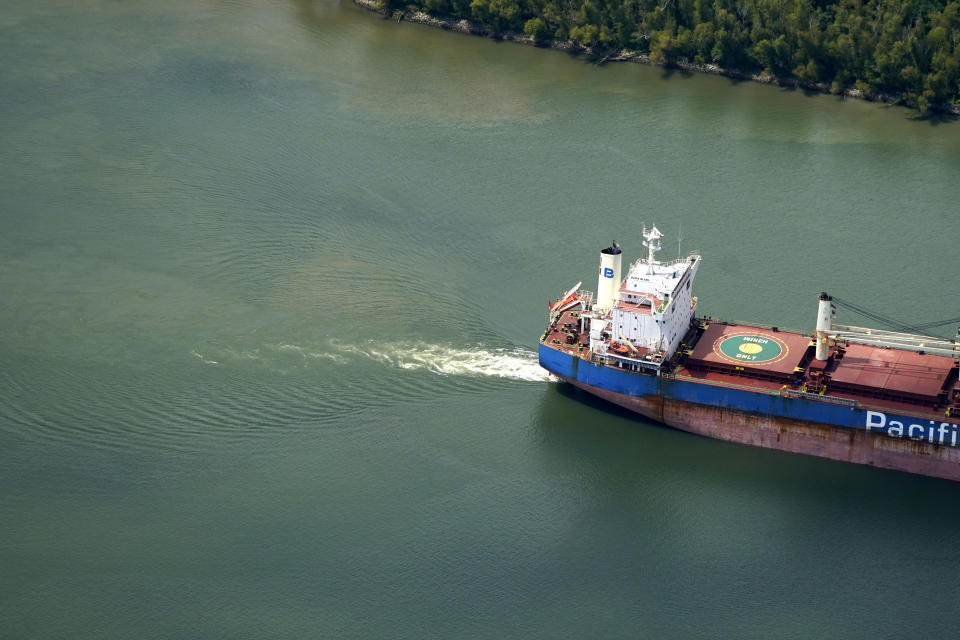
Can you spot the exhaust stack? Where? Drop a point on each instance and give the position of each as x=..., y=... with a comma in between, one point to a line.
x=609, y=279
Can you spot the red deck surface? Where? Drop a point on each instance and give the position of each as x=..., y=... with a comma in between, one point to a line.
x=633, y=307
x=877, y=378
x=565, y=334
x=877, y=370
x=781, y=362
x=638, y=295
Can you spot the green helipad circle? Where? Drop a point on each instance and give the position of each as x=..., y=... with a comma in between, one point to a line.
x=750, y=348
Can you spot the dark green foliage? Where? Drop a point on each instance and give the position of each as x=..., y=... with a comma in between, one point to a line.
x=537, y=29
x=906, y=48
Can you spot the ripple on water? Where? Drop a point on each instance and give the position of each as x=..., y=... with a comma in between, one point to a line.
x=242, y=394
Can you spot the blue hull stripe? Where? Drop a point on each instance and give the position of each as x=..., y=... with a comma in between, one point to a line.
x=758, y=402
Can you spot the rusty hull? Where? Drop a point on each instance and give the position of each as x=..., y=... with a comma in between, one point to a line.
x=792, y=435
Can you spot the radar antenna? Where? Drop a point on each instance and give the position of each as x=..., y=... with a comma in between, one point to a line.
x=652, y=243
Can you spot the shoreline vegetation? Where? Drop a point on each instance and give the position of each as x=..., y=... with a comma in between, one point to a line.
x=937, y=91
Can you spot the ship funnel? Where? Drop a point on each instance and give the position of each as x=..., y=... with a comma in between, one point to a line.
x=824, y=324
x=609, y=279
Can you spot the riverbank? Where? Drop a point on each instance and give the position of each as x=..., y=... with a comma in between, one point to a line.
x=466, y=27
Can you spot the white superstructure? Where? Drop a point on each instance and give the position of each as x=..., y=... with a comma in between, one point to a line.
x=652, y=309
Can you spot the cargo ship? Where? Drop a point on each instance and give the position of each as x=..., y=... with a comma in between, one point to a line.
x=881, y=398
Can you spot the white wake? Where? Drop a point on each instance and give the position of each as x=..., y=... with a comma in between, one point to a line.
x=515, y=364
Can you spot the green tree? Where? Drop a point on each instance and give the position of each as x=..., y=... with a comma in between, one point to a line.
x=703, y=41
x=774, y=56
x=480, y=11
x=661, y=47
x=505, y=15
x=537, y=29
x=586, y=34
x=437, y=7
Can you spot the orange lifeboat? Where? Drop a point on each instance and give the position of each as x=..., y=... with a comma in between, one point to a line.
x=619, y=348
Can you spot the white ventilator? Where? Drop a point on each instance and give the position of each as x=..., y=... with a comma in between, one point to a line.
x=608, y=281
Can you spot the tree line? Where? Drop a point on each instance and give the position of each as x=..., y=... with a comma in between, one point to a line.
x=906, y=49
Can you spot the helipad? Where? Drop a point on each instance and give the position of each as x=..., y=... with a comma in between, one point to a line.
x=751, y=348
x=731, y=347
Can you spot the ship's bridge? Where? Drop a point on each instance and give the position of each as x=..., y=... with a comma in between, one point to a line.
x=659, y=280
x=654, y=306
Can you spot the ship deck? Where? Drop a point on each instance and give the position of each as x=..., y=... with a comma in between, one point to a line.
x=769, y=360
x=564, y=334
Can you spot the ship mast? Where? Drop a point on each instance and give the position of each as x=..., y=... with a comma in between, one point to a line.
x=652, y=243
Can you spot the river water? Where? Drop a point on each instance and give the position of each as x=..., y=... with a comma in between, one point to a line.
x=272, y=277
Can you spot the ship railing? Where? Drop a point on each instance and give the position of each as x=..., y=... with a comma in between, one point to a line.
x=666, y=263
x=682, y=260
x=756, y=325
x=787, y=393
x=790, y=393
x=610, y=358
x=896, y=340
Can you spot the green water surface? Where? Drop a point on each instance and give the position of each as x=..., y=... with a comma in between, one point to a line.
x=271, y=278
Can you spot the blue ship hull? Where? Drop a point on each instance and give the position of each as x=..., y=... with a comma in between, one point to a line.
x=813, y=425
